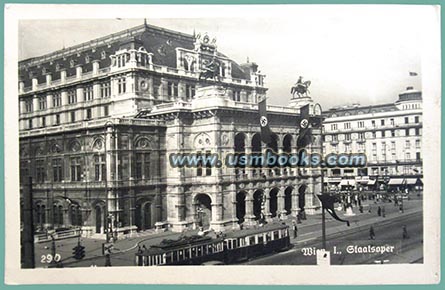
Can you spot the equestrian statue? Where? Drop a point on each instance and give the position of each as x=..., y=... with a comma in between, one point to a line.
x=301, y=88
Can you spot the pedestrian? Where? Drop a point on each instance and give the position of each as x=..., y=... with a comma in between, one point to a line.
x=369, y=209
x=295, y=229
x=401, y=208
x=383, y=211
x=361, y=208
x=139, y=250
x=379, y=211
x=371, y=233
x=404, y=233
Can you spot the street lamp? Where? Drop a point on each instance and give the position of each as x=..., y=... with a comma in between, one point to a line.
x=200, y=211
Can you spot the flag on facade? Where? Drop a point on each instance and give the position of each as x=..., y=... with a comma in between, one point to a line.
x=328, y=203
x=412, y=74
x=305, y=135
x=266, y=133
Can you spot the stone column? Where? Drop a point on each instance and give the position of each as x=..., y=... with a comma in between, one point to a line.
x=63, y=76
x=78, y=71
x=49, y=79
x=79, y=94
x=295, y=207
x=281, y=203
x=21, y=87
x=249, y=218
x=35, y=84
x=248, y=168
x=64, y=97
x=22, y=106
x=266, y=205
x=49, y=101
x=96, y=91
x=96, y=64
x=35, y=103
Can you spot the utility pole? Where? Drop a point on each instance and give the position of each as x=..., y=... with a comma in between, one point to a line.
x=27, y=236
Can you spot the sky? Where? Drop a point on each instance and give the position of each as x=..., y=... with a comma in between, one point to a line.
x=351, y=55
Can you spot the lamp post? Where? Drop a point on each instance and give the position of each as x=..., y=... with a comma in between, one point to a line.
x=200, y=211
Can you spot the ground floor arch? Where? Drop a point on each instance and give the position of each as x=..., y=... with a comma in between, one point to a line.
x=240, y=206
x=203, y=209
x=288, y=200
x=257, y=203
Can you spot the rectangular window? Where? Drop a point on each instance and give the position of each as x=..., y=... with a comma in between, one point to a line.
x=417, y=132
x=28, y=106
x=333, y=127
x=57, y=169
x=57, y=100
x=417, y=143
x=189, y=91
x=40, y=171
x=361, y=124
x=408, y=156
x=407, y=144
x=236, y=96
x=406, y=120
x=99, y=167
x=76, y=169
x=382, y=122
x=143, y=163
x=72, y=96
x=105, y=90
x=172, y=89
x=89, y=114
x=348, y=137
x=106, y=111
x=43, y=121
x=335, y=138
x=347, y=125
x=407, y=132
x=418, y=156
x=393, y=145
x=57, y=121
x=42, y=103
x=121, y=85
x=374, y=146
x=208, y=165
x=416, y=119
x=88, y=93
x=393, y=133
x=373, y=123
x=73, y=116
x=391, y=121
x=30, y=124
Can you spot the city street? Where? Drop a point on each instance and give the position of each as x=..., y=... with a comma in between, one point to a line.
x=388, y=230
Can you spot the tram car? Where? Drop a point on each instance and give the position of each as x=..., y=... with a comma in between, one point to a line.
x=228, y=248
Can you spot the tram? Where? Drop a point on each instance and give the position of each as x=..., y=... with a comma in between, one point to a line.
x=229, y=248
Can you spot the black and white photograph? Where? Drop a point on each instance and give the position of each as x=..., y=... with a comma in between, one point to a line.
x=160, y=139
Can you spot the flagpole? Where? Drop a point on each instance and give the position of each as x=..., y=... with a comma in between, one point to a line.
x=323, y=214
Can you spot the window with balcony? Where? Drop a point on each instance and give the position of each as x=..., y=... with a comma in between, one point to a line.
x=72, y=96
x=334, y=138
x=347, y=137
x=88, y=93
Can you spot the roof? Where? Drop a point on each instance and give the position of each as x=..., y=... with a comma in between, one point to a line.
x=257, y=230
x=159, y=41
x=359, y=110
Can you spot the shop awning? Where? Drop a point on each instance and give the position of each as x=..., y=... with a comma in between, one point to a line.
x=396, y=181
x=411, y=181
x=371, y=182
x=334, y=179
x=346, y=182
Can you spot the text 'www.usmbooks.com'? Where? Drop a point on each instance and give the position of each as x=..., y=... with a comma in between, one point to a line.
x=269, y=159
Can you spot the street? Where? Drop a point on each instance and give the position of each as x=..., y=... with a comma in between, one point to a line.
x=388, y=230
